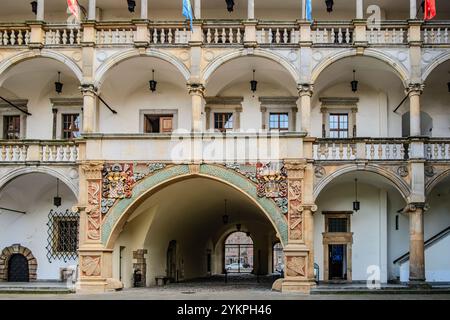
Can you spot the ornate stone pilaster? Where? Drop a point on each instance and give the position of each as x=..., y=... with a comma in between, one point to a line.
x=299, y=264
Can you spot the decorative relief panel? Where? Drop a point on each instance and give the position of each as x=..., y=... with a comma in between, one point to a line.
x=94, y=218
x=296, y=266
x=90, y=266
x=270, y=179
x=120, y=178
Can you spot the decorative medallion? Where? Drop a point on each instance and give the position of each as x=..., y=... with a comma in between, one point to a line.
x=403, y=171
x=319, y=172
x=430, y=171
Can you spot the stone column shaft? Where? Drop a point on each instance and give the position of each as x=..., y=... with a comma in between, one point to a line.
x=415, y=90
x=40, y=10
x=359, y=9
x=251, y=9
x=305, y=93
x=144, y=9
x=416, y=245
x=413, y=9
x=89, y=110
x=196, y=91
x=92, y=10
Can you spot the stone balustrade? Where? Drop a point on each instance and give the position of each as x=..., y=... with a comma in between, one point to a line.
x=223, y=33
x=388, y=33
x=436, y=33
x=277, y=34
x=233, y=32
x=360, y=149
x=332, y=34
x=62, y=35
x=437, y=149
x=39, y=151
x=14, y=35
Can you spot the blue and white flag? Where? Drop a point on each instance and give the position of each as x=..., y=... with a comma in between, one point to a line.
x=187, y=11
x=308, y=10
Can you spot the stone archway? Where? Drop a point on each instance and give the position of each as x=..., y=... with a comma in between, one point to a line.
x=116, y=217
x=8, y=252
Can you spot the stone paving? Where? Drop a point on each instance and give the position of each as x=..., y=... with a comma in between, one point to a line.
x=237, y=288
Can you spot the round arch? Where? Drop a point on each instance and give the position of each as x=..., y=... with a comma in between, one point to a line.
x=223, y=59
x=436, y=180
x=401, y=71
x=119, y=213
x=133, y=53
x=45, y=53
x=435, y=64
x=396, y=181
x=11, y=175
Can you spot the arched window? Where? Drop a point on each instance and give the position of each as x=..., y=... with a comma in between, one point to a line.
x=426, y=123
x=238, y=253
x=278, y=258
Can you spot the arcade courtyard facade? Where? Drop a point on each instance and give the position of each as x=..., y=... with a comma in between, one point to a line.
x=139, y=151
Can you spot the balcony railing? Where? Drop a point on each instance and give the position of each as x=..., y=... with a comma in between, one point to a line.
x=360, y=149
x=388, y=33
x=62, y=35
x=437, y=149
x=14, y=35
x=436, y=33
x=228, y=33
x=39, y=151
x=332, y=33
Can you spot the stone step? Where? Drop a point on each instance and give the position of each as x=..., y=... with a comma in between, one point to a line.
x=405, y=290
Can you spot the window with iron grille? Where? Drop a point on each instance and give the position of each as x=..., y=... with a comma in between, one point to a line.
x=279, y=121
x=62, y=242
x=338, y=125
x=70, y=125
x=337, y=224
x=223, y=121
x=11, y=127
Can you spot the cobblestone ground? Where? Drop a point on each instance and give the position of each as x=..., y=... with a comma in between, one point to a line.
x=236, y=288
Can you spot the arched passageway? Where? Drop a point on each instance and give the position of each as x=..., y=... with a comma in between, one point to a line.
x=183, y=232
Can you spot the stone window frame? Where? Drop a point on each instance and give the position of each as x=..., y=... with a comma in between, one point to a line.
x=158, y=112
x=339, y=105
x=344, y=238
x=223, y=105
x=62, y=106
x=279, y=105
x=7, y=110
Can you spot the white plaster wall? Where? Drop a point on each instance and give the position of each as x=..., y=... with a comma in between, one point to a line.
x=368, y=227
x=34, y=194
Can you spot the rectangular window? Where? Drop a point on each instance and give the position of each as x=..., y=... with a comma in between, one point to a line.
x=158, y=123
x=337, y=224
x=70, y=126
x=223, y=121
x=66, y=235
x=11, y=127
x=338, y=125
x=279, y=121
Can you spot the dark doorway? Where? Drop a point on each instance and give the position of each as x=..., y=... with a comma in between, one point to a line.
x=172, y=261
x=337, y=262
x=18, y=268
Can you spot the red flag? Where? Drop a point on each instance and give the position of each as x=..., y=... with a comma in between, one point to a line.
x=74, y=7
x=430, y=9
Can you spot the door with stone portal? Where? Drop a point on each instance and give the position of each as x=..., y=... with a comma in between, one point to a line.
x=18, y=268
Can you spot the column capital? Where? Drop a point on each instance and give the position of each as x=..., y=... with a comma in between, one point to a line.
x=295, y=165
x=305, y=89
x=92, y=169
x=88, y=88
x=415, y=88
x=196, y=89
x=414, y=206
x=308, y=206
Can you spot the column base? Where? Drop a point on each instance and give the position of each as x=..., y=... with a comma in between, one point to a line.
x=88, y=286
x=297, y=286
x=418, y=284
